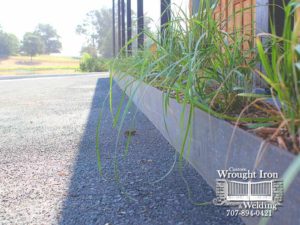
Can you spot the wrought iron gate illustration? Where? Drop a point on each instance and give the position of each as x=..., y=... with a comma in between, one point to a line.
x=235, y=191
x=250, y=191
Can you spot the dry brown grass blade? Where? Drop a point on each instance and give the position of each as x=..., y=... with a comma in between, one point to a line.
x=281, y=143
x=235, y=128
x=265, y=131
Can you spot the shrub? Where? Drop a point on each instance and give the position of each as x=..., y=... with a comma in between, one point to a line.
x=9, y=44
x=93, y=64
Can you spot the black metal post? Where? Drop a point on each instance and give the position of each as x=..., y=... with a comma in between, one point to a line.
x=114, y=28
x=165, y=9
x=119, y=25
x=123, y=23
x=129, y=27
x=140, y=15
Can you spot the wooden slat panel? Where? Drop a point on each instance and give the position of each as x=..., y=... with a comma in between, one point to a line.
x=236, y=16
x=224, y=14
x=217, y=13
x=231, y=17
x=297, y=18
x=248, y=23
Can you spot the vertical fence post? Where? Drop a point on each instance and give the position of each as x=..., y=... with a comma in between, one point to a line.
x=297, y=18
x=140, y=15
x=123, y=23
x=165, y=9
x=114, y=28
x=129, y=27
x=119, y=25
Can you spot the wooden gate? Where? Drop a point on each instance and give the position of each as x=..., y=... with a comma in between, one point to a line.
x=240, y=15
x=234, y=16
x=237, y=17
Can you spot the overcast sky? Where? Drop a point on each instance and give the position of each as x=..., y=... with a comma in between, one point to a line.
x=20, y=16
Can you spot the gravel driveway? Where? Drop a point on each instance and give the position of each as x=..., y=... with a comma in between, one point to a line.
x=48, y=166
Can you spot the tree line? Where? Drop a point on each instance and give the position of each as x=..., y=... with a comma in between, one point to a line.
x=43, y=40
x=97, y=30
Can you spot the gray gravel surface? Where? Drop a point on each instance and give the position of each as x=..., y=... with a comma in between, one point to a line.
x=48, y=165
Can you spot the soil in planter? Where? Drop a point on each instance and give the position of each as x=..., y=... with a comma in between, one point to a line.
x=272, y=131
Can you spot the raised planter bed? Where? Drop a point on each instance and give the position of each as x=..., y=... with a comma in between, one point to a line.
x=213, y=147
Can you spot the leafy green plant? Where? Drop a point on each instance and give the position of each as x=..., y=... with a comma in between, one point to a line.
x=93, y=64
x=194, y=62
x=282, y=72
x=281, y=60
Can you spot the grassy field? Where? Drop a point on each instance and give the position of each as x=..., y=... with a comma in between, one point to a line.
x=43, y=64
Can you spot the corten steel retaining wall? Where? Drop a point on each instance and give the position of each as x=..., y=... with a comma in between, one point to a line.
x=211, y=145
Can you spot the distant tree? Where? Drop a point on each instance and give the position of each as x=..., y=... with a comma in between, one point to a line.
x=91, y=50
x=32, y=44
x=9, y=44
x=14, y=44
x=49, y=37
x=4, y=45
x=97, y=30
